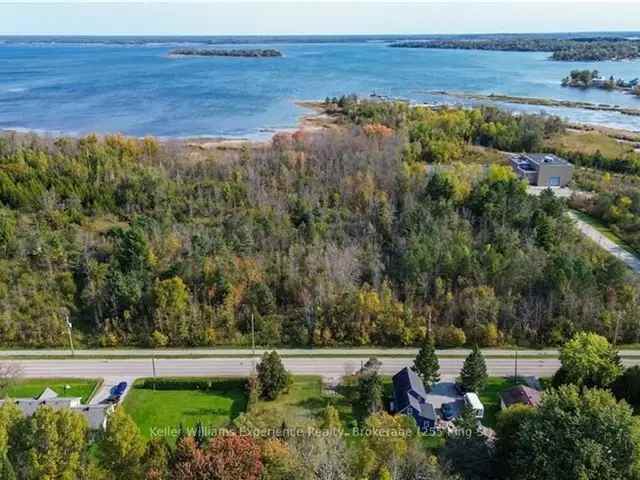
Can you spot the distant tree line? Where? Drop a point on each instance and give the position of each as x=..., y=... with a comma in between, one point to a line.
x=596, y=49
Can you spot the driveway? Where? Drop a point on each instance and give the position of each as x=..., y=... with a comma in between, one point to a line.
x=632, y=261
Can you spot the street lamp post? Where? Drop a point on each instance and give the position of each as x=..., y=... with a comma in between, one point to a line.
x=69, y=327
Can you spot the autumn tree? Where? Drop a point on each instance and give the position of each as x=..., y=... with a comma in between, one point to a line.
x=122, y=447
x=589, y=360
x=51, y=444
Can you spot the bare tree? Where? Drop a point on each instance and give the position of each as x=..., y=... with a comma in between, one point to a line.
x=9, y=374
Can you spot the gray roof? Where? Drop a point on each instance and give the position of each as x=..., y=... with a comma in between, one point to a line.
x=428, y=411
x=546, y=158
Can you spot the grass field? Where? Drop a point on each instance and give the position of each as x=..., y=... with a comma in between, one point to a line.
x=188, y=401
x=33, y=387
x=301, y=406
x=590, y=143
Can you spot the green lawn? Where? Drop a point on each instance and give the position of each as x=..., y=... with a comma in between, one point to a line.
x=301, y=406
x=187, y=401
x=33, y=387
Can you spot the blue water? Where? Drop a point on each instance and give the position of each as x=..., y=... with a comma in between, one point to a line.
x=133, y=87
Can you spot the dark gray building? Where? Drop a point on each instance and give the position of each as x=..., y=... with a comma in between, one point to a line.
x=543, y=170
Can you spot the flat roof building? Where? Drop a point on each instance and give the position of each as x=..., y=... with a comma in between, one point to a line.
x=542, y=170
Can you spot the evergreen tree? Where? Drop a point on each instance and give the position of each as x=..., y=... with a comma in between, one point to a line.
x=199, y=436
x=426, y=363
x=474, y=371
x=272, y=376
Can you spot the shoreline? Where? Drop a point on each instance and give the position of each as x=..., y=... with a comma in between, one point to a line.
x=544, y=102
x=317, y=119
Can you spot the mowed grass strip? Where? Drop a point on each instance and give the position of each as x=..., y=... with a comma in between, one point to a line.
x=33, y=387
x=213, y=402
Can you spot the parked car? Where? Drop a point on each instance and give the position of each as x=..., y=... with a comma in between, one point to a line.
x=448, y=411
x=119, y=389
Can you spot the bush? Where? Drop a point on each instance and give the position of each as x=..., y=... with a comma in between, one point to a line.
x=450, y=337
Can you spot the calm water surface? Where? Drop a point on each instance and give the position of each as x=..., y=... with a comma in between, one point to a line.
x=137, y=89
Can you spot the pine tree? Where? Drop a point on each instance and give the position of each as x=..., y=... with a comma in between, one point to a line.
x=426, y=363
x=474, y=371
x=272, y=376
x=199, y=435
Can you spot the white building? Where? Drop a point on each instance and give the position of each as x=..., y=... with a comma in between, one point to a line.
x=96, y=415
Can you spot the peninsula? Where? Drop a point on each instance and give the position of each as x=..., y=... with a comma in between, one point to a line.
x=571, y=49
x=216, y=52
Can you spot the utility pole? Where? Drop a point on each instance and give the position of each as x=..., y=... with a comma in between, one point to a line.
x=515, y=378
x=153, y=367
x=69, y=327
x=253, y=344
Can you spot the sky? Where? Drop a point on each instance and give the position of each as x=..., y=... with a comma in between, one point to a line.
x=240, y=17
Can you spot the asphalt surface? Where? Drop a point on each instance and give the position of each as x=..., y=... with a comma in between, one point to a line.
x=330, y=368
x=246, y=352
x=613, y=248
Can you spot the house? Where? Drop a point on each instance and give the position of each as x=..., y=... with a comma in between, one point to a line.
x=409, y=398
x=520, y=395
x=96, y=415
x=542, y=170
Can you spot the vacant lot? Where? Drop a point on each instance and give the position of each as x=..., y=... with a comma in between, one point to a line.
x=187, y=401
x=65, y=387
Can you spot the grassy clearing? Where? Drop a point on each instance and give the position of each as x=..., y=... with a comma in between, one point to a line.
x=590, y=143
x=188, y=401
x=33, y=387
x=301, y=406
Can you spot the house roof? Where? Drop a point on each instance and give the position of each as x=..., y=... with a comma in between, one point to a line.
x=545, y=158
x=428, y=411
x=47, y=394
x=407, y=386
x=521, y=394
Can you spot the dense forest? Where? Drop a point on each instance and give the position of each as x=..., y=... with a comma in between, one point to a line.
x=369, y=234
x=584, y=50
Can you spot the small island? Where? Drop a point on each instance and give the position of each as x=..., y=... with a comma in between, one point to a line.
x=592, y=79
x=216, y=52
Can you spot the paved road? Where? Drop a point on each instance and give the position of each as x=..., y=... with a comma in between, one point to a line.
x=632, y=261
x=287, y=352
x=330, y=368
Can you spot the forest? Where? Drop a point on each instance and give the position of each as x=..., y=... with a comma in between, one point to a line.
x=562, y=49
x=368, y=234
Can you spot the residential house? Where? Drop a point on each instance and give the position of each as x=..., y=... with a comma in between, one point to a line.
x=520, y=394
x=409, y=398
x=96, y=415
x=542, y=170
